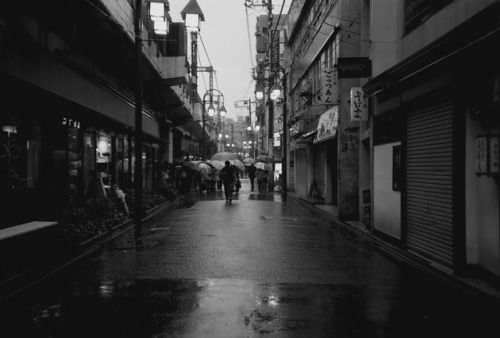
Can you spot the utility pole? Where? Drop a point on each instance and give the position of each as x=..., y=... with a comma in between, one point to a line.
x=138, y=124
x=271, y=80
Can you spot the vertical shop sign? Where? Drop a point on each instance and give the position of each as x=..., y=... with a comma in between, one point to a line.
x=359, y=105
x=329, y=86
x=275, y=51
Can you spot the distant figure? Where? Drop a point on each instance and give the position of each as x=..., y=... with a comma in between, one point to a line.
x=252, y=171
x=228, y=177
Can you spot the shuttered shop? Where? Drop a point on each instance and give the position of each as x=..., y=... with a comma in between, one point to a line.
x=301, y=172
x=429, y=183
x=319, y=167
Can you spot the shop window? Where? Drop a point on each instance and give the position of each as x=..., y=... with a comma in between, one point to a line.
x=388, y=127
x=11, y=168
x=75, y=166
x=89, y=162
x=120, y=164
x=104, y=164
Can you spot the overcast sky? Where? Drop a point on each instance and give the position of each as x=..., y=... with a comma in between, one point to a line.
x=224, y=44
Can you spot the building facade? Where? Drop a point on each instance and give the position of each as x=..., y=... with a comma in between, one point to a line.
x=326, y=56
x=435, y=96
x=68, y=97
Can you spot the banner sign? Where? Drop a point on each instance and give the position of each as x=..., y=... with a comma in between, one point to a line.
x=275, y=51
x=327, y=126
x=329, y=87
x=354, y=67
x=241, y=103
x=359, y=105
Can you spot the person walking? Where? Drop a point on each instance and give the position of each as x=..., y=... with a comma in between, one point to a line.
x=261, y=179
x=228, y=177
x=252, y=170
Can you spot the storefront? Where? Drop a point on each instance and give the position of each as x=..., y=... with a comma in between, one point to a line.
x=435, y=139
x=65, y=157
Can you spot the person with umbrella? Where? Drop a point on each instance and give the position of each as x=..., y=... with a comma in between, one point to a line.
x=228, y=177
x=252, y=170
x=261, y=179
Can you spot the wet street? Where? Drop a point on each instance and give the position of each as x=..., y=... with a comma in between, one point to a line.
x=256, y=267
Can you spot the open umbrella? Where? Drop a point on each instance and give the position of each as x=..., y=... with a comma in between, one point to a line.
x=262, y=165
x=204, y=166
x=265, y=158
x=248, y=160
x=238, y=164
x=224, y=156
x=216, y=164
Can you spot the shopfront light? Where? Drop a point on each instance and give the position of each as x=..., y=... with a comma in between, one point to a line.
x=161, y=27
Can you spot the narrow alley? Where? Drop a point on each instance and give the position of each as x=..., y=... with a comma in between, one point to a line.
x=258, y=267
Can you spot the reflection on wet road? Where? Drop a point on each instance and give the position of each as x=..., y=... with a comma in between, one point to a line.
x=257, y=267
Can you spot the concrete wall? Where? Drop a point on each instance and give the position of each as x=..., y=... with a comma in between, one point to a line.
x=386, y=202
x=45, y=72
x=482, y=210
x=387, y=31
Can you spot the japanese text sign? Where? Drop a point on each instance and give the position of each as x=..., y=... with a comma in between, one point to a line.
x=359, y=105
x=329, y=86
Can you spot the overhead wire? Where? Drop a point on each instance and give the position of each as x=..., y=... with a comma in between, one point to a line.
x=249, y=39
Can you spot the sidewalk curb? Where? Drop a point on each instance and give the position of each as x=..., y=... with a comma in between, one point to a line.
x=413, y=260
x=15, y=284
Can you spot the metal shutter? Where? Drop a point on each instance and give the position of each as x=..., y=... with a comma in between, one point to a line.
x=301, y=172
x=319, y=167
x=429, y=183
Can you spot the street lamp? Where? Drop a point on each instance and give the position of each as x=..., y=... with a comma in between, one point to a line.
x=211, y=112
x=156, y=9
x=192, y=16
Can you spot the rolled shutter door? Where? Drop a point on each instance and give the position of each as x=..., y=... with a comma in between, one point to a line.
x=301, y=172
x=319, y=167
x=429, y=183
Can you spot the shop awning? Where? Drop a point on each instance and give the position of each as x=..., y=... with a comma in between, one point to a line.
x=306, y=123
x=327, y=126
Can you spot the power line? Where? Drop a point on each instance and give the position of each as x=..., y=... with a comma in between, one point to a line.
x=249, y=39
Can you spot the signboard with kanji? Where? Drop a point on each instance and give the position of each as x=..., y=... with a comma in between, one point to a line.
x=359, y=105
x=329, y=87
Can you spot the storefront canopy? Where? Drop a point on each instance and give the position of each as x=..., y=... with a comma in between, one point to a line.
x=327, y=126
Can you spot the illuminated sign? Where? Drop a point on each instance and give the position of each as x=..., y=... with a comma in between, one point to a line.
x=70, y=123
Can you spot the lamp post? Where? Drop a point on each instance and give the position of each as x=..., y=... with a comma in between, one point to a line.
x=158, y=10
x=274, y=94
x=192, y=16
x=211, y=111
